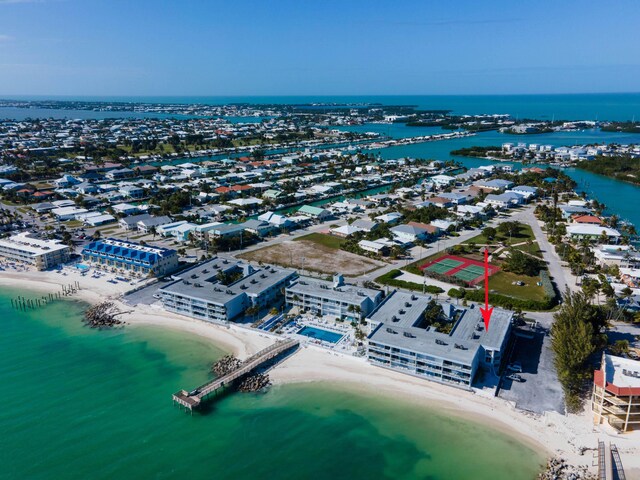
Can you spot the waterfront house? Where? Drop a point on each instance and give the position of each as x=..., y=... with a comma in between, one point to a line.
x=279, y=221
x=592, y=233
x=317, y=213
x=495, y=184
x=620, y=255
x=587, y=219
x=258, y=227
x=442, y=180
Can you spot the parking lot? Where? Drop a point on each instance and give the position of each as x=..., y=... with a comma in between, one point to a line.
x=541, y=391
x=144, y=296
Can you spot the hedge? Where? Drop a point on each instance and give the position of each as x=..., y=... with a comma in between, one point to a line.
x=547, y=285
x=389, y=278
x=505, y=301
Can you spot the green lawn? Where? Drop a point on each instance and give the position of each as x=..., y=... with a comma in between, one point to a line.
x=502, y=281
x=533, y=249
x=523, y=235
x=329, y=241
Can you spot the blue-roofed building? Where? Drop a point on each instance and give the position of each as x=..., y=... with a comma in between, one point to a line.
x=138, y=259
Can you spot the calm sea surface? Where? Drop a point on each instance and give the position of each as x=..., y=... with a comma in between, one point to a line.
x=600, y=106
x=80, y=403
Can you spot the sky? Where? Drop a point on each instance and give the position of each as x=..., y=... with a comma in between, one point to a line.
x=324, y=47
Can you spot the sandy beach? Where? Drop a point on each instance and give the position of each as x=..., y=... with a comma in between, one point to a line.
x=572, y=437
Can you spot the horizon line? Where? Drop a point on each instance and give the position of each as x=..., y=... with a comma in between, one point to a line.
x=44, y=96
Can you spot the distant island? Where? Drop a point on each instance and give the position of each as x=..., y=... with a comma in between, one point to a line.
x=623, y=167
x=624, y=127
x=492, y=151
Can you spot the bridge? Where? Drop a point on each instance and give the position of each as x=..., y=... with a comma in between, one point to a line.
x=192, y=399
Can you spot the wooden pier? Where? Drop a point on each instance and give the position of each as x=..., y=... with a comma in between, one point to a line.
x=193, y=399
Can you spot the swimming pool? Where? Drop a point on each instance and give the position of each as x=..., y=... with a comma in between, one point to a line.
x=320, y=334
x=82, y=267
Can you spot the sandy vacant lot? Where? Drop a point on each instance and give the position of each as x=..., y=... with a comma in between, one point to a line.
x=313, y=256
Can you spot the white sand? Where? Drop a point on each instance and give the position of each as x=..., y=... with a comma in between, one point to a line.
x=552, y=433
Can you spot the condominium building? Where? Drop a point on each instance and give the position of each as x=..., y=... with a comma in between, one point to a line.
x=616, y=393
x=131, y=256
x=334, y=298
x=39, y=253
x=221, y=289
x=401, y=340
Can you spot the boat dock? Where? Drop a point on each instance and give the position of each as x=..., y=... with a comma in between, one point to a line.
x=193, y=399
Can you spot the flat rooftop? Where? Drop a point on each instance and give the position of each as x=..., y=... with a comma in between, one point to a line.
x=326, y=289
x=622, y=372
x=399, y=316
x=34, y=246
x=202, y=282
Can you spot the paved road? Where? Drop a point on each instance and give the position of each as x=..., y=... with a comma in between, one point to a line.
x=556, y=271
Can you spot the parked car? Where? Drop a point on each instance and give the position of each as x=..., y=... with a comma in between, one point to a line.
x=515, y=377
x=515, y=367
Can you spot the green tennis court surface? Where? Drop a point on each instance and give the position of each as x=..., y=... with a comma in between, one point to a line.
x=443, y=266
x=469, y=273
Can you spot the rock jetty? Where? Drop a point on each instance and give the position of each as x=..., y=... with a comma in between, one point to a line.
x=103, y=315
x=226, y=364
x=559, y=469
x=254, y=383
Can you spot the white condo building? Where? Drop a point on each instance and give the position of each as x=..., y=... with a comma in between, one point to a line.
x=40, y=253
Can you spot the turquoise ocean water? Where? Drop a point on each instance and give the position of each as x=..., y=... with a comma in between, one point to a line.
x=597, y=106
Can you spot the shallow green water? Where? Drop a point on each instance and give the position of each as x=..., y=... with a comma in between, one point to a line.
x=86, y=404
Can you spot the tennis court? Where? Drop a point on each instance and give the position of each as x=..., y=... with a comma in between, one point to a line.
x=444, y=265
x=465, y=269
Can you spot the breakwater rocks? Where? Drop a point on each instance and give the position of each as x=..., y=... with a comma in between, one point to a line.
x=226, y=364
x=103, y=315
x=559, y=469
x=253, y=383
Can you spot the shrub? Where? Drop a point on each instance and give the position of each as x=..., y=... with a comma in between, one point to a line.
x=547, y=285
x=389, y=278
x=456, y=292
x=510, y=303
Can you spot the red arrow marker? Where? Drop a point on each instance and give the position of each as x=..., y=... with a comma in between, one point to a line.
x=486, y=311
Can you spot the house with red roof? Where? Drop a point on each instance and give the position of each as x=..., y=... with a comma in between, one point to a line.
x=587, y=219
